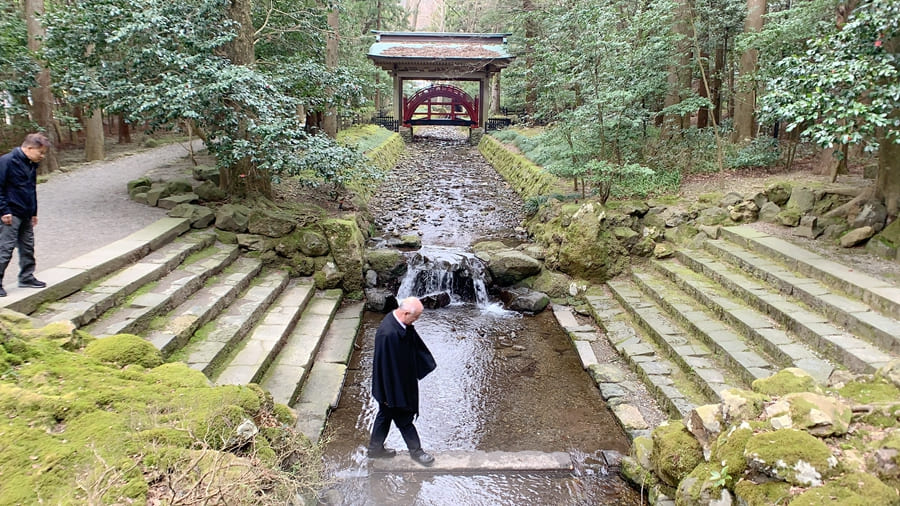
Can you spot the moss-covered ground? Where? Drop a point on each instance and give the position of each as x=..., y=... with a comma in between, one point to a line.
x=92, y=426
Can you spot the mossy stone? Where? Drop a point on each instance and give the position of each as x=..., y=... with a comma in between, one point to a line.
x=528, y=179
x=142, y=182
x=739, y=404
x=869, y=391
x=554, y=284
x=636, y=474
x=786, y=381
x=790, y=455
x=891, y=233
x=698, y=486
x=125, y=349
x=750, y=493
x=855, y=489
x=388, y=263
x=729, y=449
x=347, y=245
x=675, y=452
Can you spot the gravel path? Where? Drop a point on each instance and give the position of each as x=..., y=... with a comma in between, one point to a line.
x=88, y=207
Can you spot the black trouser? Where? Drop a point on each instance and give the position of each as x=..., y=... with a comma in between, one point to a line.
x=20, y=233
x=402, y=418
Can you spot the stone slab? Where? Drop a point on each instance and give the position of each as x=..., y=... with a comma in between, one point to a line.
x=585, y=353
x=477, y=462
x=338, y=342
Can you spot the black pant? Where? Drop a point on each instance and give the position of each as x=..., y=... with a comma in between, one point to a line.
x=20, y=234
x=402, y=418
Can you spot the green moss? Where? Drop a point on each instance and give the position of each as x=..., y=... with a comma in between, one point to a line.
x=675, y=452
x=698, y=486
x=855, y=489
x=729, y=450
x=710, y=198
x=284, y=415
x=870, y=391
x=198, y=256
x=125, y=349
x=347, y=245
x=762, y=494
x=528, y=179
x=779, y=454
x=786, y=381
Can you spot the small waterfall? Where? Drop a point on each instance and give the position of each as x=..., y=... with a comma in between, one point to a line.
x=434, y=270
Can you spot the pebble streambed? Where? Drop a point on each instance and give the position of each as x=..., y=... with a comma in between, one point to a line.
x=504, y=381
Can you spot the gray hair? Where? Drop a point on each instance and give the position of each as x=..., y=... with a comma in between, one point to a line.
x=36, y=140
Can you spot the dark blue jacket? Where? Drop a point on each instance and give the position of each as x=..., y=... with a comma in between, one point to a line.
x=18, y=185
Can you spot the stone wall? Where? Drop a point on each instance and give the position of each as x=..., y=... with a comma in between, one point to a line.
x=528, y=179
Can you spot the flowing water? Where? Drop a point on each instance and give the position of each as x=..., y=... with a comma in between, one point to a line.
x=504, y=381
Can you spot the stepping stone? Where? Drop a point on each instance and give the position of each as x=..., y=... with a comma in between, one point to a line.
x=477, y=462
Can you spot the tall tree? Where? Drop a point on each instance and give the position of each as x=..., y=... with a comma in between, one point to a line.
x=745, y=97
x=330, y=122
x=41, y=95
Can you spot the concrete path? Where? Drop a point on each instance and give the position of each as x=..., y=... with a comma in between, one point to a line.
x=88, y=207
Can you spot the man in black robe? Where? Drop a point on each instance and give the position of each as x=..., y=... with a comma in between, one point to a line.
x=401, y=360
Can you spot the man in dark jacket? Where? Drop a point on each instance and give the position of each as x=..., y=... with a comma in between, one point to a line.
x=401, y=360
x=18, y=207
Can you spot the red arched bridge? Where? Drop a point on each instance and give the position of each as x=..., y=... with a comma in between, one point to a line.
x=442, y=105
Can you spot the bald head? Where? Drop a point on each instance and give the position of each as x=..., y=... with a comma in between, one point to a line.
x=409, y=310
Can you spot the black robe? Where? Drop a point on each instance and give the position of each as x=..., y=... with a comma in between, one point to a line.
x=401, y=360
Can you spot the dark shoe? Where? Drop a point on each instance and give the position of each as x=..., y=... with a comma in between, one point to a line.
x=31, y=283
x=422, y=457
x=381, y=453
x=2, y=292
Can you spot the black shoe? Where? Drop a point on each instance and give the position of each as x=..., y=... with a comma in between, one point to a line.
x=2, y=292
x=31, y=283
x=381, y=453
x=422, y=457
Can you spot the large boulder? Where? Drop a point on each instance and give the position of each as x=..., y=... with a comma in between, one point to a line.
x=857, y=236
x=347, y=245
x=523, y=299
x=791, y=455
x=388, y=264
x=270, y=223
x=714, y=216
x=817, y=414
x=786, y=381
x=509, y=267
x=802, y=200
x=233, y=218
x=311, y=243
x=769, y=212
x=588, y=249
x=675, y=452
x=872, y=214
x=380, y=300
x=779, y=193
x=554, y=284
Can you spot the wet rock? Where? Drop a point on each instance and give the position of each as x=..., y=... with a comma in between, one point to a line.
x=509, y=267
x=435, y=300
x=523, y=299
x=873, y=214
x=233, y=218
x=768, y=212
x=857, y=236
x=380, y=300
x=779, y=193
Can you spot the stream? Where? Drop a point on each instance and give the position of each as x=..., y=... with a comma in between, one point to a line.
x=504, y=381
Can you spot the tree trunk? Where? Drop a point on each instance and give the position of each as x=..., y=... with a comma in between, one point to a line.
x=94, y=136
x=243, y=179
x=41, y=96
x=745, y=101
x=716, y=84
x=124, y=131
x=530, y=34
x=703, y=113
x=887, y=184
x=330, y=124
x=495, y=94
x=679, y=72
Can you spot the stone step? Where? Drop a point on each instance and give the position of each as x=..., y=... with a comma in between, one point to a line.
x=214, y=341
x=847, y=312
x=784, y=349
x=322, y=388
x=256, y=352
x=815, y=329
x=168, y=292
x=880, y=294
x=83, y=307
x=69, y=277
x=478, y=462
x=730, y=346
x=180, y=323
x=290, y=367
x=694, y=357
x=659, y=373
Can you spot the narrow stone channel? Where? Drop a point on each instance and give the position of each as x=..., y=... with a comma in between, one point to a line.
x=504, y=382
